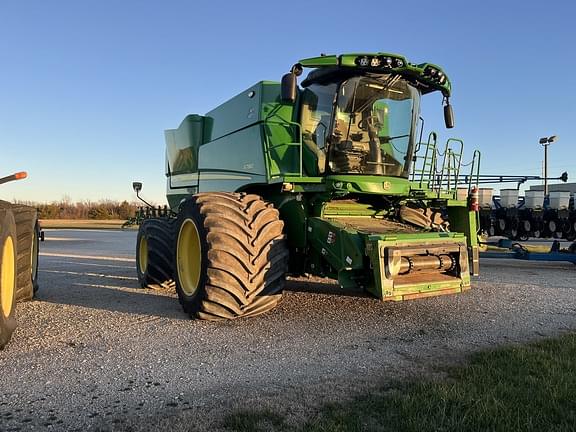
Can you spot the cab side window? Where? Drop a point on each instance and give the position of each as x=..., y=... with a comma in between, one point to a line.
x=316, y=116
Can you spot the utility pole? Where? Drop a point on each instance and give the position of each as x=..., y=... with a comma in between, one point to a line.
x=546, y=141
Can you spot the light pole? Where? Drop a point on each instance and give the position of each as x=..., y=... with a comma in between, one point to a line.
x=546, y=141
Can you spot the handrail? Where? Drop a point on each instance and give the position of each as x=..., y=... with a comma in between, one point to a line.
x=451, y=157
x=268, y=146
x=428, y=161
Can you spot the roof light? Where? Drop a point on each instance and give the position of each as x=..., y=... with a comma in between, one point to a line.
x=435, y=75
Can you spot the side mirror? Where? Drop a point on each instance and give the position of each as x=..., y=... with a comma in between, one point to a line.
x=137, y=186
x=288, y=88
x=448, y=116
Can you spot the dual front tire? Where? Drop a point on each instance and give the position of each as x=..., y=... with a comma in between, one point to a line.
x=154, y=255
x=225, y=253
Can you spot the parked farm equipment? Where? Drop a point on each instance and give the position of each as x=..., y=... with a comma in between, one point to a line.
x=324, y=179
x=19, y=237
x=532, y=216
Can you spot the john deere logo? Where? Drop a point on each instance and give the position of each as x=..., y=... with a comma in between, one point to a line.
x=386, y=185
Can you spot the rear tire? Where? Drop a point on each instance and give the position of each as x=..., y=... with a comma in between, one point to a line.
x=35, y=253
x=8, y=273
x=231, y=256
x=154, y=254
x=28, y=237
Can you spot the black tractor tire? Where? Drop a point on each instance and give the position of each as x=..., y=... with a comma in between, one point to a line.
x=28, y=239
x=8, y=273
x=38, y=236
x=154, y=254
x=231, y=256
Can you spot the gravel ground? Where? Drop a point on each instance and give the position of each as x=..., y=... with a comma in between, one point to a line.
x=95, y=352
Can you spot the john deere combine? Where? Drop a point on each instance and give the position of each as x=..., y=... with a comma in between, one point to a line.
x=19, y=236
x=325, y=179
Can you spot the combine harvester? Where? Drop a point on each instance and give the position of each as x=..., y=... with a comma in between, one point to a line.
x=324, y=179
x=19, y=237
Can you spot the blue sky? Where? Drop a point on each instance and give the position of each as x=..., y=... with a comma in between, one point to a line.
x=87, y=87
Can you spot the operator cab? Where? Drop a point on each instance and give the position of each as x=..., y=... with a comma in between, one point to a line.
x=359, y=112
x=361, y=125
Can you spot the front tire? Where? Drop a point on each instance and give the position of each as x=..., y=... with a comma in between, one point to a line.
x=231, y=256
x=8, y=273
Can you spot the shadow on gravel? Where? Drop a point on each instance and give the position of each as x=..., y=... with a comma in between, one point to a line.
x=317, y=287
x=110, y=298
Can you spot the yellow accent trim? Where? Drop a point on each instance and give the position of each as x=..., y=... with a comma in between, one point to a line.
x=189, y=257
x=8, y=276
x=143, y=254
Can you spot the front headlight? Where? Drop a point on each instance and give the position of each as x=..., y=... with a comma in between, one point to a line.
x=363, y=61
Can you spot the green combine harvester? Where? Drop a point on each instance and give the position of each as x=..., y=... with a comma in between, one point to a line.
x=329, y=178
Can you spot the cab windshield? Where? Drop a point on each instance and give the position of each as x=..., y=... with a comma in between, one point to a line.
x=373, y=126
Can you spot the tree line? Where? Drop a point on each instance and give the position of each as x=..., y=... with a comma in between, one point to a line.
x=101, y=210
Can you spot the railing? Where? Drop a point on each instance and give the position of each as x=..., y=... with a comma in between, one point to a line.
x=447, y=177
x=426, y=173
x=444, y=177
x=474, y=177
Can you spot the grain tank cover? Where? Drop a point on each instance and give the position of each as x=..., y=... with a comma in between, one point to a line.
x=182, y=145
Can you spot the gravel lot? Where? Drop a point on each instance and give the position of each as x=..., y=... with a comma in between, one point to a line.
x=95, y=352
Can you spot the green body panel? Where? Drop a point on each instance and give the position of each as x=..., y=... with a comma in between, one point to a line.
x=321, y=61
x=346, y=184
x=381, y=185
x=465, y=221
x=253, y=143
x=248, y=140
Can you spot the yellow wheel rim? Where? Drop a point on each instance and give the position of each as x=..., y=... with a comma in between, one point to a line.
x=7, y=276
x=189, y=257
x=143, y=254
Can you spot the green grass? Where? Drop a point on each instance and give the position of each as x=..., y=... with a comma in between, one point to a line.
x=520, y=388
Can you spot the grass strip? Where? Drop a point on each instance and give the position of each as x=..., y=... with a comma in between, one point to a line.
x=518, y=388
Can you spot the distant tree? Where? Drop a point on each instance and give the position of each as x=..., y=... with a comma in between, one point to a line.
x=125, y=210
x=105, y=209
